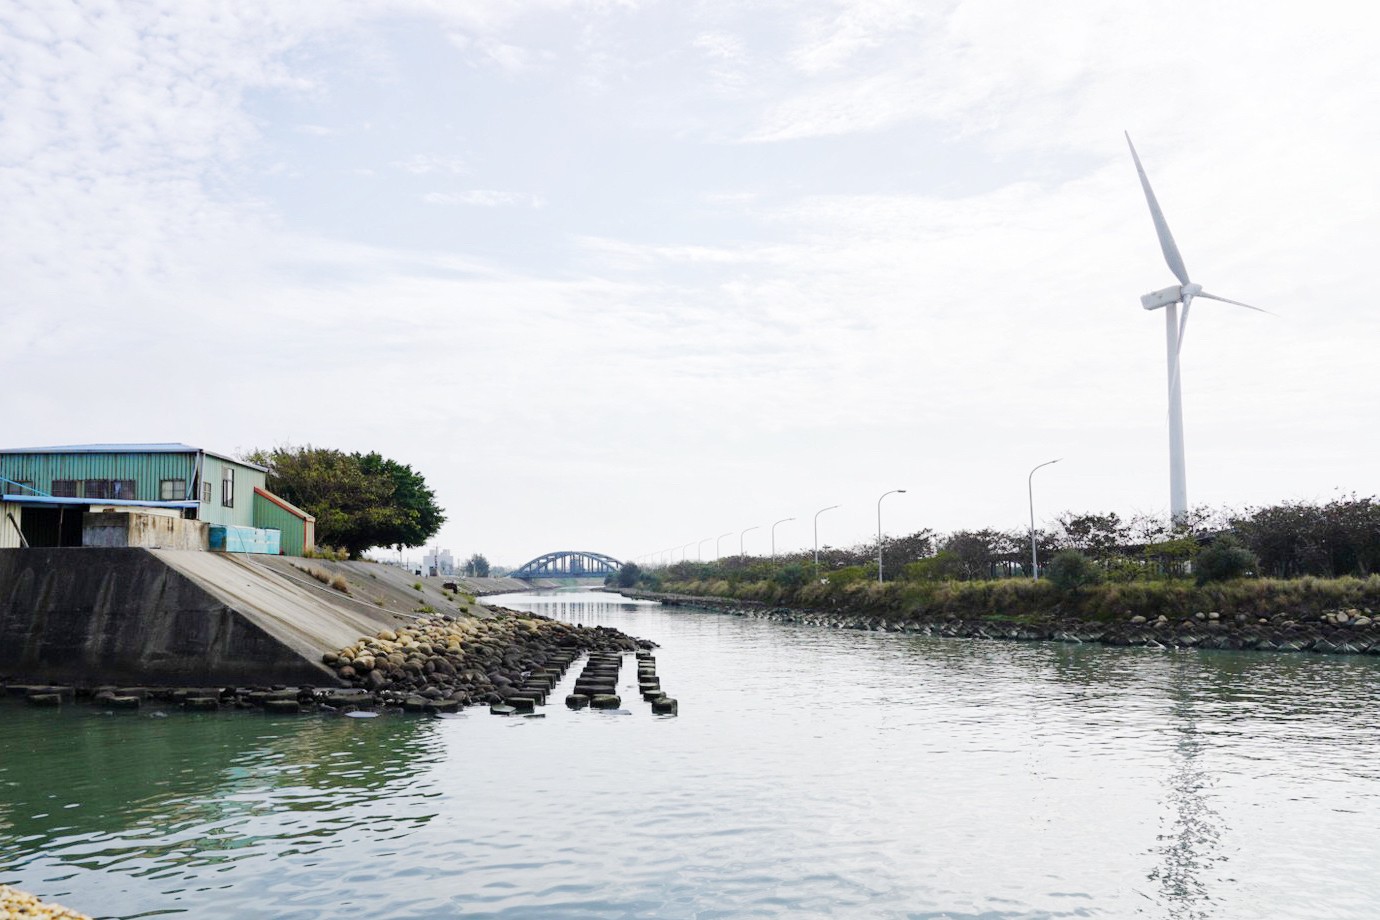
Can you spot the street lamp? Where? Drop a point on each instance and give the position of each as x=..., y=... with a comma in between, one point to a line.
x=740, y=538
x=699, y=550
x=773, y=537
x=684, y=548
x=879, y=530
x=716, y=543
x=1030, y=493
x=817, y=514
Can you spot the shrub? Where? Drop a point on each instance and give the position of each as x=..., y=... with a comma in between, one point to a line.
x=791, y=575
x=628, y=575
x=1070, y=570
x=416, y=586
x=942, y=566
x=1225, y=559
x=847, y=576
x=340, y=584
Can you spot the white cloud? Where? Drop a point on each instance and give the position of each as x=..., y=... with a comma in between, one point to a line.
x=486, y=198
x=426, y=164
x=713, y=330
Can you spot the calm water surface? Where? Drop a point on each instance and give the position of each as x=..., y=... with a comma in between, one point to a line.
x=810, y=773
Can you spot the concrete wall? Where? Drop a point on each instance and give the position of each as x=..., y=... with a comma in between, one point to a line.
x=136, y=528
x=137, y=616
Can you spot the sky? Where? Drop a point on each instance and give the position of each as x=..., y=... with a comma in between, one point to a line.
x=630, y=276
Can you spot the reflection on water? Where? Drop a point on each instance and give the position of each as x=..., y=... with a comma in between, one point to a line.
x=811, y=772
x=1190, y=846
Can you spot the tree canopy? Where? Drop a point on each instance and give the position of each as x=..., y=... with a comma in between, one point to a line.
x=359, y=500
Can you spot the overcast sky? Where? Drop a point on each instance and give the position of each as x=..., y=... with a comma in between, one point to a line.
x=618, y=276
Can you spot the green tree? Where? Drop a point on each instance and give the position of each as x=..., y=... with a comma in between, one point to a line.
x=477, y=566
x=1096, y=535
x=1224, y=559
x=1070, y=570
x=359, y=500
x=628, y=575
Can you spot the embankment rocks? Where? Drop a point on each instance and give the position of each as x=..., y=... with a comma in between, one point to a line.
x=1338, y=632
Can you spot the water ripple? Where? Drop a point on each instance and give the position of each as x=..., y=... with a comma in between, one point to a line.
x=811, y=772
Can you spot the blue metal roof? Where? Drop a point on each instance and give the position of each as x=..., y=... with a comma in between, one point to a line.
x=44, y=501
x=156, y=448
x=172, y=448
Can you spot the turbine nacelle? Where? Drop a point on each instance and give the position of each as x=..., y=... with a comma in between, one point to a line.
x=1164, y=297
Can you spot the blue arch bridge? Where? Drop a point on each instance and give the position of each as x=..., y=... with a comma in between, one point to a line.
x=568, y=563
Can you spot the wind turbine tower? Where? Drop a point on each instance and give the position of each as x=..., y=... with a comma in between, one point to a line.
x=1175, y=324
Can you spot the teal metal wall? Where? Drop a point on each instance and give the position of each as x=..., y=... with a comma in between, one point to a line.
x=146, y=469
x=246, y=480
x=296, y=533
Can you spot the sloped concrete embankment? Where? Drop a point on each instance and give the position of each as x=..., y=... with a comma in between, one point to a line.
x=90, y=616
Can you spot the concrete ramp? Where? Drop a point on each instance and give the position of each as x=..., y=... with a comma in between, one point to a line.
x=136, y=616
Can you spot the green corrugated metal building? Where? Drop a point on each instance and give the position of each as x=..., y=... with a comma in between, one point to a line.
x=297, y=527
x=46, y=488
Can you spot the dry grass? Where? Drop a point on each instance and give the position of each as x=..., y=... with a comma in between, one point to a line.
x=1019, y=597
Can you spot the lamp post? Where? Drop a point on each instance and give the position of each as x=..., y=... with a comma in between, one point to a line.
x=879, y=529
x=716, y=543
x=741, y=535
x=684, y=548
x=1030, y=493
x=773, y=538
x=699, y=550
x=817, y=514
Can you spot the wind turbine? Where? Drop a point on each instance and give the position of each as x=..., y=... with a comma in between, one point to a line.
x=1174, y=327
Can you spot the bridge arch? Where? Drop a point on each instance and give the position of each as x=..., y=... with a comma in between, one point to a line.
x=568, y=563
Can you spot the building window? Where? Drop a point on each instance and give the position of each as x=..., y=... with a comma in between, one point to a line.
x=172, y=490
x=21, y=487
x=96, y=488
x=123, y=488
x=206, y=492
x=227, y=487
x=64, y=488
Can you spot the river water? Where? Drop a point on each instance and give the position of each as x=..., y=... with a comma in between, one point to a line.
x=810, y=773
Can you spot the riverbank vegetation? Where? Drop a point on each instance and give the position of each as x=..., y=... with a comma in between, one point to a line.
x=1295, y=560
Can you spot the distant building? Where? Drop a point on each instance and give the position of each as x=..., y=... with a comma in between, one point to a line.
x=173, y=496
x=438, y=562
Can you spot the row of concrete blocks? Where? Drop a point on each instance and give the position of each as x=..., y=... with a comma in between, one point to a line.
x=536, y=687
x=212, y=699
x=649, y=685
x=596, y=687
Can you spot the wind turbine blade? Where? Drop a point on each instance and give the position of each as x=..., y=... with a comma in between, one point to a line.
x=1233, y=302
x=1167, y=245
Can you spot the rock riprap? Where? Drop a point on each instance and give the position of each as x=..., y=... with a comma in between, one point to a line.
x=15, y=903
x=511, y=660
